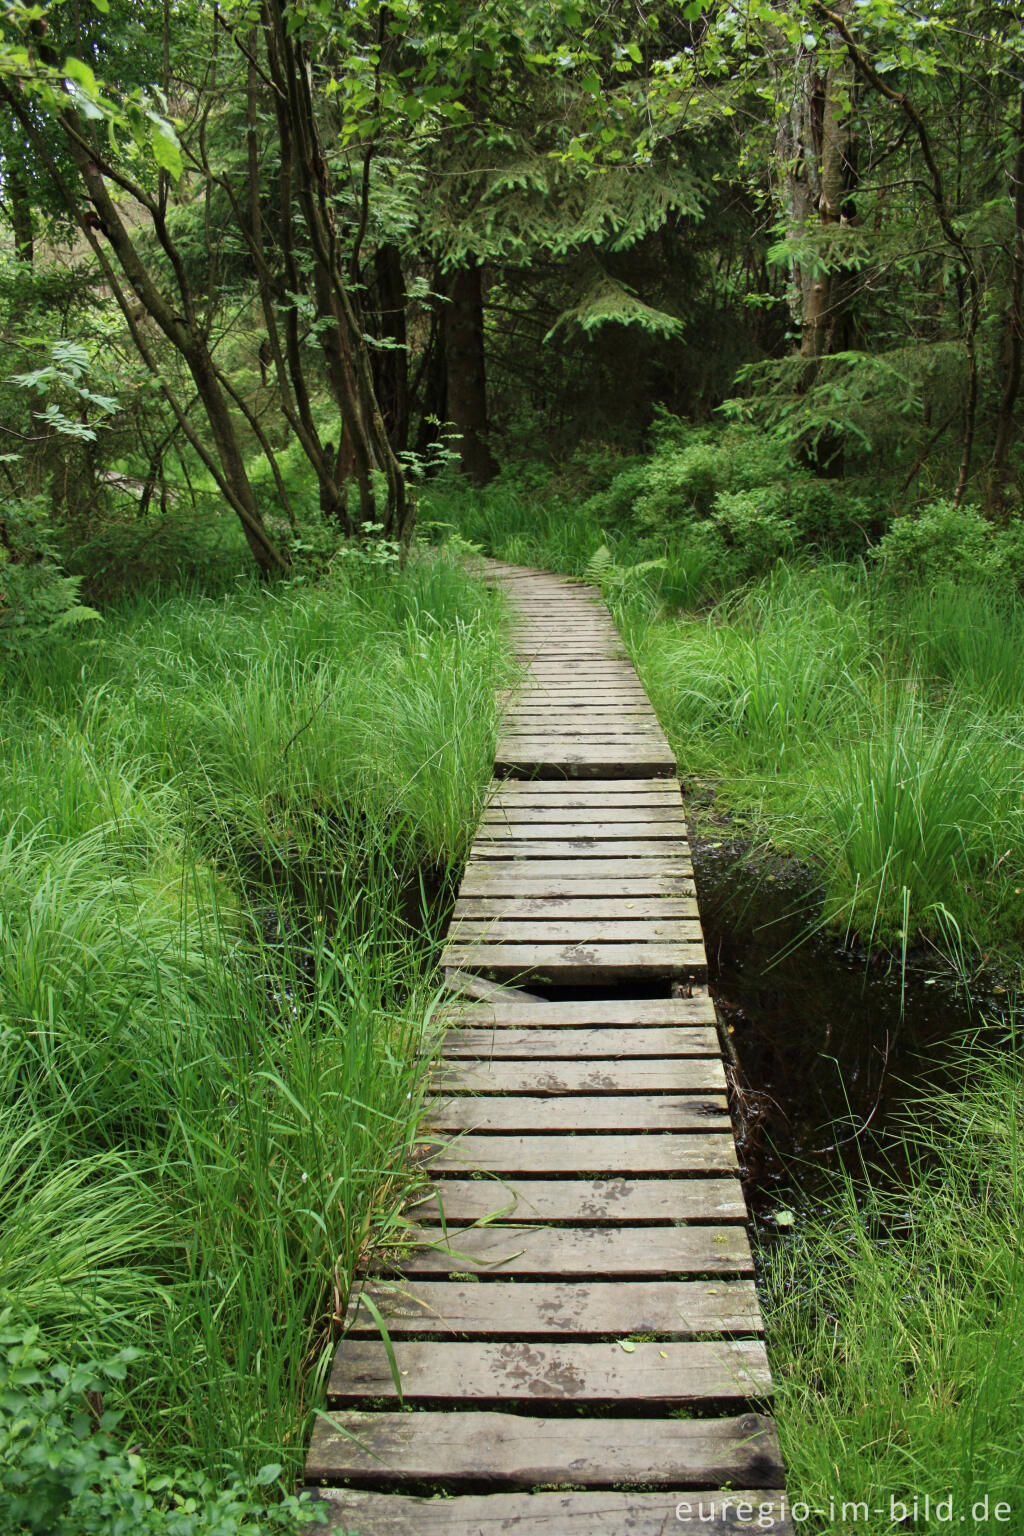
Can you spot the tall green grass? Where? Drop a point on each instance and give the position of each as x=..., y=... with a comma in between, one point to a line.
x=895, y=1323
x=869, y=735
x=223, y=823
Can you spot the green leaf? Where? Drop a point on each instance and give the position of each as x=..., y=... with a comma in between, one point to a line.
x=82, y=75
x=166, y=150
x=268, y=1474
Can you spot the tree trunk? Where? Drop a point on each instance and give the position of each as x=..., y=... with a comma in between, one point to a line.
x=467, y=379
x=22, y=223
x=391, y=362
x=1005, y=421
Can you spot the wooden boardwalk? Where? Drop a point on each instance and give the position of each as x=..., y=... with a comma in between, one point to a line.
x=576, y=1333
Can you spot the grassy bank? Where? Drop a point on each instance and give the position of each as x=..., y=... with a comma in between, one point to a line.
x=895, y=1327
x=223, y=820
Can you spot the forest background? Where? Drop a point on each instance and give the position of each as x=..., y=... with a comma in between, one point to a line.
x=722, y=307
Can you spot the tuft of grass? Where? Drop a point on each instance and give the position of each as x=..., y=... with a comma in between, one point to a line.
x=864, y=744
x=895, y=1321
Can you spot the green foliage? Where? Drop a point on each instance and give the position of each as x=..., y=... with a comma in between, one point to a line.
x=943, y=541
x=37, y=598
x=225, y=845
x=866, y=730
x=894, y=1318
x=738, y=491
x=65, y=1472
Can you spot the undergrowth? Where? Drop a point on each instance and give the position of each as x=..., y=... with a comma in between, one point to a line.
x=895, y=1325
x=225, y=821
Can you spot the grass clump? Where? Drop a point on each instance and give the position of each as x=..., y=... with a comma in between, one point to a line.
x=895, y=1322
x=224, y=821
x=870, y=734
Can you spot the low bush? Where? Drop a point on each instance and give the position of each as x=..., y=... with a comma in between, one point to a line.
x=944, y=541
x=64, y=1470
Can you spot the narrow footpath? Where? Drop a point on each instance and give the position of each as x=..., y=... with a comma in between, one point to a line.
x=578, y=1338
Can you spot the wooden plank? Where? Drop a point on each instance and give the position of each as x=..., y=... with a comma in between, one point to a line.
x=498, y=1044
x=583, y=1112
x=501, y=814
x=555, y=789
x=558, y=796
x=543, y=1309
x=549, y=861
x=496, y=880
x=479, y=988
x=498, y=829
x=515, y=1372
x=584, y=1201
x=576, y=703
x=544, y=715
x=579, y=908
x=683, y=1075
x=579, y=930
x=607, y=1513
x=580, y=963
x=505, y=1450
x=584, y=1154
x=633, y=733
x=603, y=757
x=566, y=1252
x=618, y=1011
x=671, y=849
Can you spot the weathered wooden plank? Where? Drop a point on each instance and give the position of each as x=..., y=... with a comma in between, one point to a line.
x=616, y=1045
x=584, y=1154
x=538, y=719
x=564, y=1252
x=578, y=908
x=546, y=693
x=671, y=849
x=617, y=1011
x=514, y=812
x=601, y=759
x=561, y=797
x=478, y=988
x=613, y=827
x=453, y=1371
x=683, y=1075
x=582, y=963
x=634, y=733
x=544, y=1309
x=555, y=789
x=584, y=1201
x=505, y=1450
x=514, y=929
x=500, y=881
x=583, y=1112
x=608, y=1513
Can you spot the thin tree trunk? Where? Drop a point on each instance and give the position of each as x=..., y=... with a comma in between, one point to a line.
x=391, y=362
x=1005, y=421
x=467, y=378
x=22, y=223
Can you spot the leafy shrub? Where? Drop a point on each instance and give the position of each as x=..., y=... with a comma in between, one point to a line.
x=738, y=491
x=63, y=1471
x=943, y=540
x=37, y=597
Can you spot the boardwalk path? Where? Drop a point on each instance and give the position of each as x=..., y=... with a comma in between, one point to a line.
x=580, y=1318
